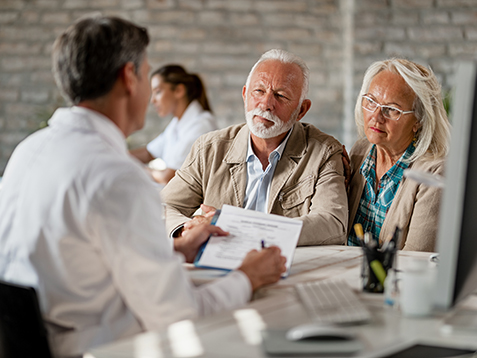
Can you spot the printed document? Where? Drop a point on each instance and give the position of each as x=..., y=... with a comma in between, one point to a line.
x=248, y=229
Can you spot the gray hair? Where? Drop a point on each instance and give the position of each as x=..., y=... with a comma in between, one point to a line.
x=284, y=57
x=433, y=136
x=87, y=56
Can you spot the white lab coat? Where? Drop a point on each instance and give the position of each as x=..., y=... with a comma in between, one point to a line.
x=174, y=144
x=82, y=222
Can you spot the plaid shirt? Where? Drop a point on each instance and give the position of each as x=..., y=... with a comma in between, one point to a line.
x=373, y=206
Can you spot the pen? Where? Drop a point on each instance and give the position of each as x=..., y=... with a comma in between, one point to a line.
x=263, y=244
x=378, y=270
x=358, y=229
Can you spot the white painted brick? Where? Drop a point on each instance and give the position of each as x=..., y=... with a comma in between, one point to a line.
x=367, y=47
x=101, y=4
x=279, y=5
x=434, y=33
x=25, y=63
x=7, y=17
x=191, y=34
x=413, y=50
x=73, y=4
x=380, y=33
x=455, y=3
x=436, y=17
x=244, y=19
x=463, y=50
x=279, y=19
x=46, y=4
x=13, y=4
x=212, y=18
x=413, y=4
x=231, y=5
x=191, y=4
x=132, y=4
x=471, y=33
x=172, y=17
x=19, y=48
x=34, y=96
x=289, y=34
x=226, y=48
x=404, y=18
x=9, y=94
x=42, y=77
x=464, y=17
x=186, y=47
x=160, y=4
x=56, y=18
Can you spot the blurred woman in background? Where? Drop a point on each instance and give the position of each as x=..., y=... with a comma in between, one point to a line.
x=182, y=94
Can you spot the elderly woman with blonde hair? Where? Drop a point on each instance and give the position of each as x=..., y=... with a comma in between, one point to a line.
x=403, y=124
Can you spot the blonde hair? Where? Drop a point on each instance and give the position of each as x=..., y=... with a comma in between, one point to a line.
x=433, y=136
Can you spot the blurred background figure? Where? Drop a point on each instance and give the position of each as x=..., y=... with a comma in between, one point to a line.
x=182, y=94
x=403, y=124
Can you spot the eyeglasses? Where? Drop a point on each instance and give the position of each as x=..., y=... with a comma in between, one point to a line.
x=388, y=112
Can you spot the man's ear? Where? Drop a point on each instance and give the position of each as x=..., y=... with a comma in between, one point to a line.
x=305, y=107
x=129, y=77
x=244, y=94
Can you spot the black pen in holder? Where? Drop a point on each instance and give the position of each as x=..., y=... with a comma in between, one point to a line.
x=376, y=264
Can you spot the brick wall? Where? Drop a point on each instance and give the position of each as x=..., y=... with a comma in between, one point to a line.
x=222, y=39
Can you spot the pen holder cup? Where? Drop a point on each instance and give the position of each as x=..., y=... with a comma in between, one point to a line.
x=375, y=268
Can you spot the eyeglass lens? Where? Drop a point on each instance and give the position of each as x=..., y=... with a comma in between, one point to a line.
x=387, y=111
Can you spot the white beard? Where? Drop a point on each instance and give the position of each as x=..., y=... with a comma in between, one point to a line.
x=278, y=127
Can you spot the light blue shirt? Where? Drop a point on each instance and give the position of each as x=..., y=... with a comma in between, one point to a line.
x=259, y=180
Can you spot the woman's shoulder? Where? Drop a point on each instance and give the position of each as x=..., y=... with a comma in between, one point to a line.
x=435, y=165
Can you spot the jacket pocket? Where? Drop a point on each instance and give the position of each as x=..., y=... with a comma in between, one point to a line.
x=297, y=194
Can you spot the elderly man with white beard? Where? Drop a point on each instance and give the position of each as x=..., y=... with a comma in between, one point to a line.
x=273, y=164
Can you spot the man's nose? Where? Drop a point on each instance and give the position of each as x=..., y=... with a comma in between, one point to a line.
x=267, y=102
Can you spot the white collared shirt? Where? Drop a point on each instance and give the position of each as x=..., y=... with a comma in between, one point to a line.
x=259, y=180
x=174, y=144
x=81, y=222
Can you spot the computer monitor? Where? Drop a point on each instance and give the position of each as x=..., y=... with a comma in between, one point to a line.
x=457, y=232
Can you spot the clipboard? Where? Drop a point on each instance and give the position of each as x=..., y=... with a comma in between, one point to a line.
x=203, y=246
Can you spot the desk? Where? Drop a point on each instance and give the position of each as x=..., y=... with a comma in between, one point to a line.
x=237, y=333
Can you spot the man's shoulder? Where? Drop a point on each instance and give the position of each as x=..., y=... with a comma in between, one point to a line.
x=222, y=135
x=315, y=136
x=360, y=147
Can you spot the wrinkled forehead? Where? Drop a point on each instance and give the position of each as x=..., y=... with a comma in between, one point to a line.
x=391, y=87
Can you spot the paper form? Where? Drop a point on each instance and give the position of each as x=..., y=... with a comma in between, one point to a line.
x=247, y=229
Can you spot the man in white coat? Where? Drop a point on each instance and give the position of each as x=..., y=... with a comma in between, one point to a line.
x=81, y=221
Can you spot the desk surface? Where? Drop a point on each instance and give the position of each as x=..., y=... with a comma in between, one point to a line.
x=237, y=333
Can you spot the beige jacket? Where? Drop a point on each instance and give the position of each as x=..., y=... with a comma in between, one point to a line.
x=308, y=182
x=415, y=207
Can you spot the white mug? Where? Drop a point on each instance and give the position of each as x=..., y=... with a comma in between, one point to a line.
x=416, y=289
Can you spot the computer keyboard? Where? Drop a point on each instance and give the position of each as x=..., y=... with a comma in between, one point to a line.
x=332, y=302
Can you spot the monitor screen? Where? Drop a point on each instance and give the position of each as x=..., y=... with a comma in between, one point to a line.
x=457, y=232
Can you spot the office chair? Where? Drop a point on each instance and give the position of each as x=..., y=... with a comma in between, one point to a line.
x=22, y=332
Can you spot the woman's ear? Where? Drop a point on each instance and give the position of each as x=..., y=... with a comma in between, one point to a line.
x=180, y=91
x=416, y=127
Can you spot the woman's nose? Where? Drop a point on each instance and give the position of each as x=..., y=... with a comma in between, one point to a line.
x=377, y=115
